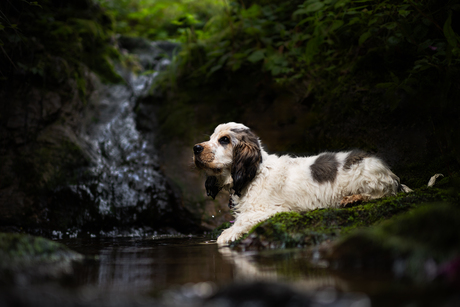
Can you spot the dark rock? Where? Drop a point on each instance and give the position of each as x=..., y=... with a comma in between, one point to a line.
x=422, y=244
x=25, y=259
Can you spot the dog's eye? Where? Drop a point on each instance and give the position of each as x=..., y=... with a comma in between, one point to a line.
x=224, y=140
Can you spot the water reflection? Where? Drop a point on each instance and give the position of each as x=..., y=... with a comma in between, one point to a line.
x=295, y=266
x=192, y=271
x=144, y=265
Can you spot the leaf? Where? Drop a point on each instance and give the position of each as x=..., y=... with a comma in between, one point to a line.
x=236, y=65
x=390, y=25
x=364, y=37
x=223, y=58
x=314, y=7
x=358, y=8
x=408, y=89
x=404, y=13
x=213, y=69
x=372, y=21
x=306, y=20
x=340, y=3
x=335, y=25
x=299, y=11
x=256, y=56
x=394, y=77
x=452, y=38
x=354, y=20
x=252, y=12
x=313, y=48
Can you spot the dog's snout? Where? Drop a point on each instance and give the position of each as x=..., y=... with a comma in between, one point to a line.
x=197, y=149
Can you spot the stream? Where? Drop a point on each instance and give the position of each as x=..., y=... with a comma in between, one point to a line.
x=178, y=270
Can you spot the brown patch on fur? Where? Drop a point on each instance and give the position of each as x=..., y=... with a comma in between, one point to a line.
x=355, y=157
x=206, y=157
x=203, y=158
x=325, y=168
x=353, y=199
x=246, y=159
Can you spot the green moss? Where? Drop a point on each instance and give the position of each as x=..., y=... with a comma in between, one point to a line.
x=24, y=250
x=293, y=229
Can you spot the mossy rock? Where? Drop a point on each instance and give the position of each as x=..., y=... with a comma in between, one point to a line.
x=25, y=257
x=423, y=243
x=294, y=229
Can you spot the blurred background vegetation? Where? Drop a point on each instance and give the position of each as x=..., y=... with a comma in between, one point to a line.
x=162, y=19
x=308, y=75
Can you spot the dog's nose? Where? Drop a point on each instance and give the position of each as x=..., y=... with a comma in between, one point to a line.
x=197, y=149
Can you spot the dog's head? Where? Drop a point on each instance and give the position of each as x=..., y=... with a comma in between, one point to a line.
x=233, y=150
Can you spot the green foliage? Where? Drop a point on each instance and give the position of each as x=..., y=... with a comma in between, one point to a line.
x=355, y=71
x=48, y=41
x=161, y=19
x=333, y=46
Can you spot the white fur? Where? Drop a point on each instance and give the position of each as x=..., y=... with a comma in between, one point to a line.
x=284, y=183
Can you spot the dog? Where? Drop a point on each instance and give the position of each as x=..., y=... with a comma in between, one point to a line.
x=262, y=184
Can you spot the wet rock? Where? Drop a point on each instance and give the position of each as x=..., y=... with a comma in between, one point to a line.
x=79, y=144
x=57, y=296
x=51, y=104
x=269, y=294
x=422, y=244
x=39, y=147
x=25, y=259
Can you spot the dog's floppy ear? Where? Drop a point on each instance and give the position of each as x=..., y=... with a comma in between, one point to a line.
x=246, y=160
x=212, y=187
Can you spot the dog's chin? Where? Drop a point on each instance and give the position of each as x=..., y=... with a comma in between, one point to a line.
x=211, y=170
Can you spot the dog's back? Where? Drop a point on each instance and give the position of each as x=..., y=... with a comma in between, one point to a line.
x=306, y=183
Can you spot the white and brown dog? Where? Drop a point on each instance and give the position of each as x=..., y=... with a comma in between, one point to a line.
x=261, y=185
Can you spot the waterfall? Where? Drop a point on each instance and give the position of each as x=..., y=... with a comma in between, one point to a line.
x=123, y=187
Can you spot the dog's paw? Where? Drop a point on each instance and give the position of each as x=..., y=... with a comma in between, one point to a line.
x=353, y=199
x=229, y=235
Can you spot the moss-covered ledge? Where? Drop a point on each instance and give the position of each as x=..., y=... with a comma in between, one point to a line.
x=293, y=229
x=423, y=244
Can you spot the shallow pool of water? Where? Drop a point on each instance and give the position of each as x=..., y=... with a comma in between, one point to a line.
x=192, y=270
x=149, y=264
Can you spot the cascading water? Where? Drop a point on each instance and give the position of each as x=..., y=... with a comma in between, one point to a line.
x=122, y=187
